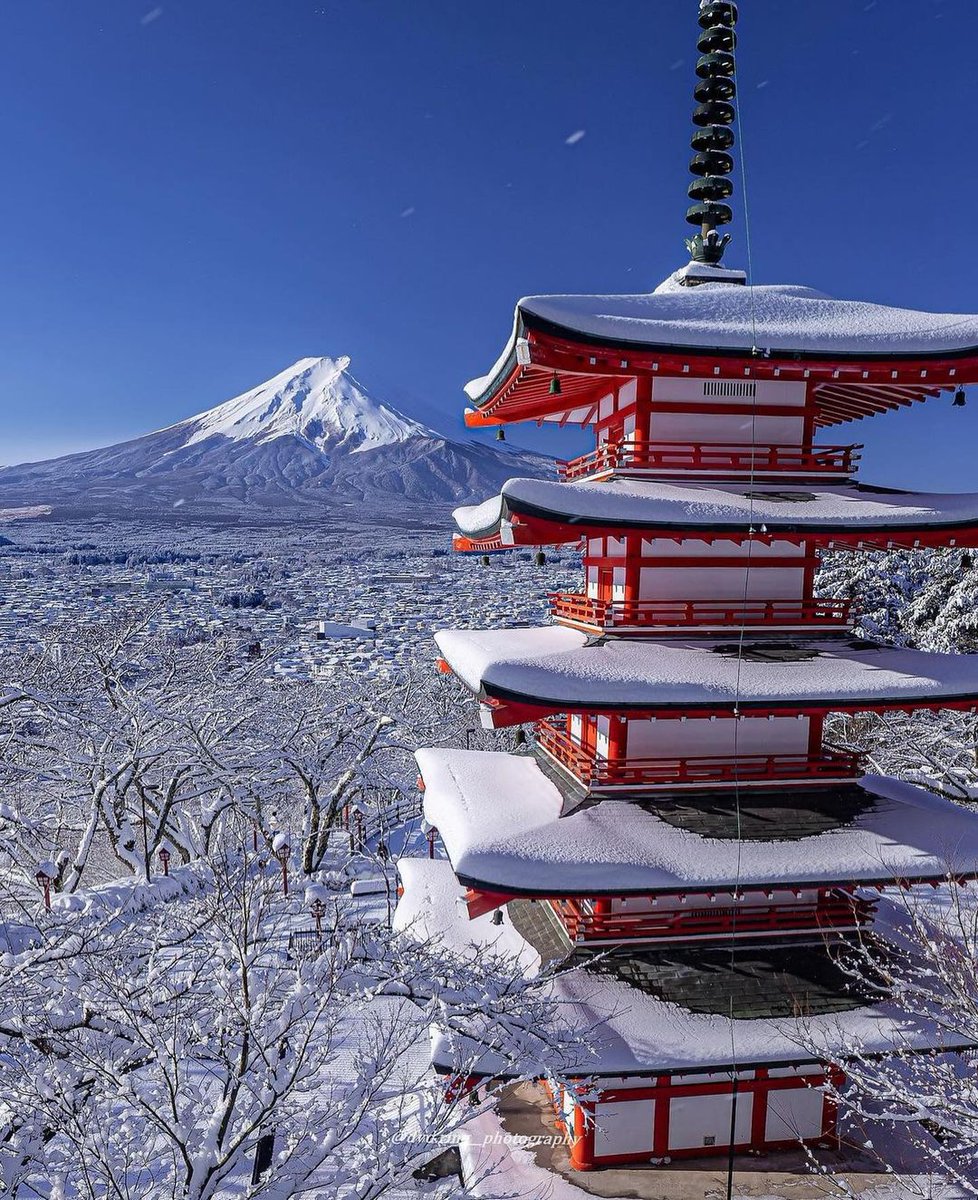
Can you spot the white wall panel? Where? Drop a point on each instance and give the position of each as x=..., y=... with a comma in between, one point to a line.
x=793, y=1113
x=699, y=1121
x=623, y=1127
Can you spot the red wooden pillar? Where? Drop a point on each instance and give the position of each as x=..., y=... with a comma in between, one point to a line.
x=582, y=1145
x=758, y=1118
x=601, y=907
x=617, y=739
x=660, y=1119
x=632, y=591
x=643, y=416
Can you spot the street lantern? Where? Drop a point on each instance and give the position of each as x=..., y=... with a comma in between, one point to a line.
x=316, y=897
x=432, y=834
x=165, y=859
x=281, y=850
x=46, y=874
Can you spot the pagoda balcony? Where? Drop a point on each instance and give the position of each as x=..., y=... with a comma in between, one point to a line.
x=703, y=917
x=711, y=459
x=668, y=616
x=597, y=773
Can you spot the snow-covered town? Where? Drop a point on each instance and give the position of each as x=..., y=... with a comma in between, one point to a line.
x=581, y=803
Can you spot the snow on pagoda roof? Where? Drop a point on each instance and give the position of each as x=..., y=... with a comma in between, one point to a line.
x=646, y=503
x=631, y=1031
x=776, y=318
x=499, y=817
x=427, y=910
x=562, y=669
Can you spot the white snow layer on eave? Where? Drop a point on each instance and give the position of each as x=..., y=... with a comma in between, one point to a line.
x=628, y=1031
x=777, y=317
x=637, y=500
x=473, y=519
x=471, y=652
x=432, y=907
x=476, y=387
x=555, y=665
x=498, y=816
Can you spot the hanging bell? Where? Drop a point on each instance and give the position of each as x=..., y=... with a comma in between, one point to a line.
x=520, y=738
x=485, y=560
x=967, y=562
x=555, y=388
x=960, y=399
x=500, y=434
x=540, y=558
x=497, y=917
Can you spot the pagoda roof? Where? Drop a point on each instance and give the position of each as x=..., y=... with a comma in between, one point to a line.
x=500, y=819
x=650, y=1012
x=538, y=511
x=756, y=331
x=525, y=673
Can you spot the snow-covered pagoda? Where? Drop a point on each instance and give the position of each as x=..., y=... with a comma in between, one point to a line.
x=682, y=810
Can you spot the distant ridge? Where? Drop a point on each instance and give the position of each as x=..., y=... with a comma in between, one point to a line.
x=311, y=437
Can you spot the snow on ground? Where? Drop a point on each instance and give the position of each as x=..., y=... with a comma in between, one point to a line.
x=26, y=513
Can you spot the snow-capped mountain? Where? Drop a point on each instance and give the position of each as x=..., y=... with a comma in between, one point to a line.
x=310, y=436
x=314, y=401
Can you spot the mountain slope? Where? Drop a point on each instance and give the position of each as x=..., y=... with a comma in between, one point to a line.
x=310, y=437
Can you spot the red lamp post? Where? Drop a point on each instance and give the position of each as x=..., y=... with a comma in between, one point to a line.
x=46, y=874
x=165, y=860
x=281, y=850
x=318, y=909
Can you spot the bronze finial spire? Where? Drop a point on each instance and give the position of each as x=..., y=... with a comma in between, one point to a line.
x=713, y=117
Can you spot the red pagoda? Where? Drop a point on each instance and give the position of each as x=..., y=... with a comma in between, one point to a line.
x=682, y=811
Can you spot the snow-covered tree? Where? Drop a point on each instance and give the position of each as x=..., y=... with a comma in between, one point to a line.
x=165, y=1050
x=117, y=742
x=924, y=1103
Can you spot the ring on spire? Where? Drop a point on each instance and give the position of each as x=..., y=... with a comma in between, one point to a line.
x=716, y=71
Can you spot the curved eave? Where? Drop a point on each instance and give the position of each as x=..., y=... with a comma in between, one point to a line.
x=528, y=674
x=847, y=386
x=521, y=523
x=512, y=706
x=530, y=847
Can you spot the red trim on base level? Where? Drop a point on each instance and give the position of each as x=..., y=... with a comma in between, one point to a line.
x=582, y=1150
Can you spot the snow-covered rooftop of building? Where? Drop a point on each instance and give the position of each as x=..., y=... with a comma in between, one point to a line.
x=427, y=910
x=780, y=318
x=561, y=668
x=630, y=1031
x=646, y=503
x=499, y=818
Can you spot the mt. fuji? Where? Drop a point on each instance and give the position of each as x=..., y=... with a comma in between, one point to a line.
x=310, y=437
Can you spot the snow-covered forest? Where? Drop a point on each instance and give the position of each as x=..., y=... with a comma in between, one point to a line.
x=174, y=1023
x=201, y=992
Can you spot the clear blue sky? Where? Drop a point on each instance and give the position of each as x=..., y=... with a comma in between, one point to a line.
x=198, y=193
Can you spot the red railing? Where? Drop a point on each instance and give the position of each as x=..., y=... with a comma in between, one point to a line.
x=711, y=457
x=713, y=614
x=597, y=773
x=833, y=911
